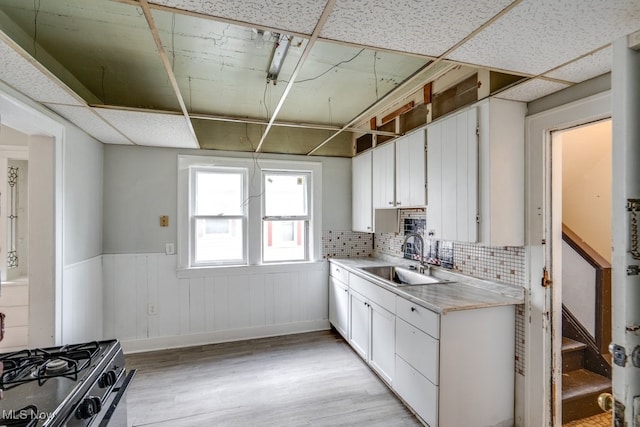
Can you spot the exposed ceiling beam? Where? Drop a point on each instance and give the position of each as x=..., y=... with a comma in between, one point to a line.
x=307, y=50
x=289, y=124
x=167, y=64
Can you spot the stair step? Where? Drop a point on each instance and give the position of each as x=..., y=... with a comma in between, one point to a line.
x=569, y=345
x=572, y=354
x=580, y=391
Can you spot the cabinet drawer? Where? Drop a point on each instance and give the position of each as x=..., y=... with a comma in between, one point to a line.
x=339, y=273
x=375, y=293
x=420, y=317
x=417, y=391
x=417, y=348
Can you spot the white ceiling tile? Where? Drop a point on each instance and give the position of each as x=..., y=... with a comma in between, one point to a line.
x=90, y=122
x=23, y=76
x=409, y=26
x=538, y=35
x=151, y=129
x=531, y=90
x=585, y=68
x=300, y=16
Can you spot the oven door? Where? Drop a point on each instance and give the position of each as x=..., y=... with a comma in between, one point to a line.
x=114, y=409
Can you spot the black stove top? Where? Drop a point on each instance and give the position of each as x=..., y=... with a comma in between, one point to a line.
x=48, y=386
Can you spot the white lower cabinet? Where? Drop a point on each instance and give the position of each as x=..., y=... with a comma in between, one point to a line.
x=339, y=306
x=456, y=369
x=372, y=330
x=453, y=370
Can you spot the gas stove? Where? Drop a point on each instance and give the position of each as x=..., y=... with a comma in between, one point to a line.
x=72, y=385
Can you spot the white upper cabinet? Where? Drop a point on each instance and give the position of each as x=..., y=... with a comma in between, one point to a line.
x=452, y=177
x=399, y=173
x=384, y=170
x=362, y=212
x=410, y=170
x=475, y=177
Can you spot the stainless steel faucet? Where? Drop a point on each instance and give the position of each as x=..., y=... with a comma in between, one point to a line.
x=423, y=265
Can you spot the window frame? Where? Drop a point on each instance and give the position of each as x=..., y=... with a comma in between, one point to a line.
x=253, y=236
x=308, y=218
x=194, y=217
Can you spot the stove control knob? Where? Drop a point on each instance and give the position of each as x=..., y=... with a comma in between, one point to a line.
x=107, y=379
x=88, y=408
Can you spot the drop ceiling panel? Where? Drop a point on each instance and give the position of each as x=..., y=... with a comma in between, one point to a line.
x=90, y=122
x=299, y=16
x=337, y=82
x=21, y=74
x=106, y=45
x=151, y=129
x=585, y=68
x=428, y=28
x=539, y=35
x=531, y=89
x=221, y=69
x=225, y=136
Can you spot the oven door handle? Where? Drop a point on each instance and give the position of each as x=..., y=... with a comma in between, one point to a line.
x=121, y=391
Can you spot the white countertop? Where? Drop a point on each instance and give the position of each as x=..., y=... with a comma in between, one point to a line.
x=462, y=293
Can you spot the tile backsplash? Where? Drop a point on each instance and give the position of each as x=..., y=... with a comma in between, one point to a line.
x=346, y=244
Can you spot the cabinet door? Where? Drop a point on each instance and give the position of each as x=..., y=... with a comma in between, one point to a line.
x=410, y=170
x=362, y=208
x=339, y=306
x=452, y=172
x=434, y=180
x=382, y=357
x=359, y=324
x=384, y=164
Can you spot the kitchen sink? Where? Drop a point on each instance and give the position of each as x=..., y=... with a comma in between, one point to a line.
x=402, y=276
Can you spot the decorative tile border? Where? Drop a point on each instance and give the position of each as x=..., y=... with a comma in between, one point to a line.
x=346, y=244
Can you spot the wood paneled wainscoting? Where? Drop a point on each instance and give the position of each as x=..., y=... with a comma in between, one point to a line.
x=148, y=307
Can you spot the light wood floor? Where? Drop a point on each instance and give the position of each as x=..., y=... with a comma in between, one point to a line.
x=298, y=380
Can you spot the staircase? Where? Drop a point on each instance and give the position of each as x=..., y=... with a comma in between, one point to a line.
x=580, y=386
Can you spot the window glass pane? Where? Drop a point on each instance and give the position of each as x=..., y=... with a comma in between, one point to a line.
x=285, y=194
x=284, y=240
x=219, y=193
x=218, y=240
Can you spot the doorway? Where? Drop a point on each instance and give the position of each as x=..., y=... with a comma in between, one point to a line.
x=581, y=230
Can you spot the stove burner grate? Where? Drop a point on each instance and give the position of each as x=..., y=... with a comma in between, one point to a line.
x=41, y=364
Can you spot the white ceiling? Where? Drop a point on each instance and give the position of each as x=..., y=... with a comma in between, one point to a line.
x=97, y=63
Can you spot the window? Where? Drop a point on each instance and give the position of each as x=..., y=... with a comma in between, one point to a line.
x=247, y=212
x=218, y=216
x=285, y=222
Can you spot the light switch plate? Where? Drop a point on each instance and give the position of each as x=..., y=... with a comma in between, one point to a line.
x=169, y=249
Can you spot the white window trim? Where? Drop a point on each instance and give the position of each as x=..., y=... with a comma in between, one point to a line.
x=308, y=217
x=254, y=226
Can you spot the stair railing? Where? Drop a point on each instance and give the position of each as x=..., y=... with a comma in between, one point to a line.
x=602, y=284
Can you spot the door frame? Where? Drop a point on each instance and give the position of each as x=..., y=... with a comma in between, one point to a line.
x=543, y=331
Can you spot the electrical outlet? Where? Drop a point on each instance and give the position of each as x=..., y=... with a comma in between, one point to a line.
x=152, y=309
x=169, y=249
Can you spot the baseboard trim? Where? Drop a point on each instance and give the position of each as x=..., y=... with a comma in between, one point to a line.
x=179, y=341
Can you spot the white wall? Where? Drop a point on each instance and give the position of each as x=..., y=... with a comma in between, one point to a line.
x=148, y=307
x=586, y=184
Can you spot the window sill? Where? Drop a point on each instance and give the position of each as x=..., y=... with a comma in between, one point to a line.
x=237, y=270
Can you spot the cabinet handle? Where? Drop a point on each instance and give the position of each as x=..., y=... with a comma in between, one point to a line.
x=398, y=203
x=413, y=309
x=391, y=203
x=346, y=290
